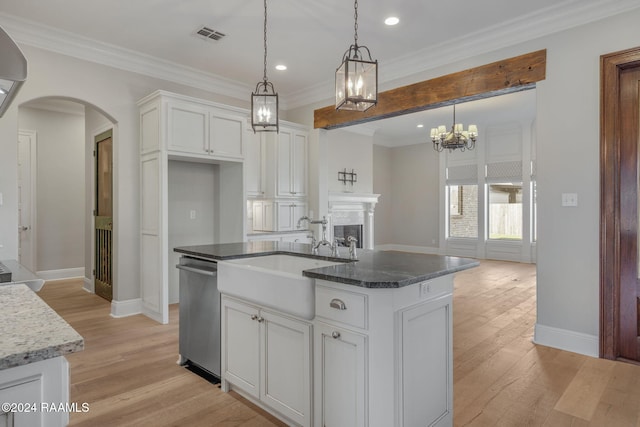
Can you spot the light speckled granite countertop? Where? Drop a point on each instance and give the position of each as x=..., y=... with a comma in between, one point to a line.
x=30, y=331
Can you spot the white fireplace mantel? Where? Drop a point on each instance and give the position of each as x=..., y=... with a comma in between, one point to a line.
x=353, y=208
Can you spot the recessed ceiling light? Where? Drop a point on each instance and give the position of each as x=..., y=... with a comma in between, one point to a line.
x=281, y=67
x=392, y=20
x=420, y=126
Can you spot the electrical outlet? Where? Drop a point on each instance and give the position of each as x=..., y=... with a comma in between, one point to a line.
x=192, y=214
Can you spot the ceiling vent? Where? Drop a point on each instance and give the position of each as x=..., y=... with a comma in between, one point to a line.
x=208, y=33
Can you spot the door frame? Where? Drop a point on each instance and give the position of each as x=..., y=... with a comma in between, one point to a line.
x=90, y=284
x=33, y=159
x=611, y=151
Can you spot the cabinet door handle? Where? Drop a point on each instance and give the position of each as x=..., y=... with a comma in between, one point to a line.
x=260, y=319
x=337, y=304
x=254, y=317
x=335, y=335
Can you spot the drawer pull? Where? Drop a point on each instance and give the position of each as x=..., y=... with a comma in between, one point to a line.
x=335, y=334
x=337, y=304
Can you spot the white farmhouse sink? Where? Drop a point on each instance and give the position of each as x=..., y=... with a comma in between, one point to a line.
x=274, y=281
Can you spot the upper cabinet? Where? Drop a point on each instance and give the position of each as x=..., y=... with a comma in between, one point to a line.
x=255, y=157
x=195, y=128
x=291, y=164
x=276, y=163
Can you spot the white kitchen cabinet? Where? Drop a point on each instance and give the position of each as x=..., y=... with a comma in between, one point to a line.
x=226, y=135
x=33, y=389
x=341, y=363
x=176, y=127
x=255, y=157
x=263, y=215
x=291, y=163
x=383, y=357
x=267, y=356
x=426, y=390
x=241, y=338
x=288, y=214
x=188, y=128
x=197, y=128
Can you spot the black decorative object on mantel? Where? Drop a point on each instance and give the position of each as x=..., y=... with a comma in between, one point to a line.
x=350, y=177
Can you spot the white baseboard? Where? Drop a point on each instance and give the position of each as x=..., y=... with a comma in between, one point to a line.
x=64, y=273
x=126, y=308
x=564, y=339
x=409, y=248
x=89, y=286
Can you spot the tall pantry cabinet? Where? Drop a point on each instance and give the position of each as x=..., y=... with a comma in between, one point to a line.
x=179, y=128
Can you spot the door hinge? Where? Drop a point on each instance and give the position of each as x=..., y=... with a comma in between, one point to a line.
x=94, y=153
x=93, y=272
x=94, y=212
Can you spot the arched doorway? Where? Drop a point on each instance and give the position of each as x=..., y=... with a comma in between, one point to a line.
x=62, y=195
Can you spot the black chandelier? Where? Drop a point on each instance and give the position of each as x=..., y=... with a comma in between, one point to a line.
x=357, y=76
x=264, y=101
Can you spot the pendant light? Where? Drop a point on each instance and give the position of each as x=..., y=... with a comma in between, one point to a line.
x=264, y=101
x=357, y=76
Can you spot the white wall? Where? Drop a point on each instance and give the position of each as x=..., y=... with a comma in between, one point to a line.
x=415, y=184
x=113, y=93
x=191, y=189
x=60, y=187
x=382, y=185
x=351, y=151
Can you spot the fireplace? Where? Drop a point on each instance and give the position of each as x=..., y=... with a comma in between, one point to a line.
x=342, y=232
x=351, y=214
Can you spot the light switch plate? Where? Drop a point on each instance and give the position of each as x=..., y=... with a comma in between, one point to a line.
x=569, y=199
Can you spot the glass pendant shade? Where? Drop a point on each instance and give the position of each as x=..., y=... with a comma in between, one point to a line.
x=356, y=83
x=264, y=108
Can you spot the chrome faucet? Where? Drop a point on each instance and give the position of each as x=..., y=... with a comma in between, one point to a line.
x=352, y=247
x=323, y=239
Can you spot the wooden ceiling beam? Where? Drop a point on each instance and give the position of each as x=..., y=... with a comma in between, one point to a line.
x=498, y=78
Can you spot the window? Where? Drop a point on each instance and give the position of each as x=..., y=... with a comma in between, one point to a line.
x=463, y=210
x=505, y=211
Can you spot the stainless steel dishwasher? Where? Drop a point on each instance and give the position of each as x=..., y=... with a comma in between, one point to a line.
x=199, y=329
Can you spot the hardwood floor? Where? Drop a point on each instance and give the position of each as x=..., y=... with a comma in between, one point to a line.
x=128, y=373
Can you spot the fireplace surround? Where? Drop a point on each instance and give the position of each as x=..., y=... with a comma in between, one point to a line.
x=350, y=212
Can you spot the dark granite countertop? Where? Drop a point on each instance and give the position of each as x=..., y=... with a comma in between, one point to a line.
x=373, y=269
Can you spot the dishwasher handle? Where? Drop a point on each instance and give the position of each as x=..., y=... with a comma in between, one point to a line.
x=196, y=270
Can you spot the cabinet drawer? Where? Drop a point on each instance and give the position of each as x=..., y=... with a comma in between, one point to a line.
x=342, y=306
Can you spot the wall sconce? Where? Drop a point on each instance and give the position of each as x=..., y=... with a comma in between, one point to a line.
x=350, y=177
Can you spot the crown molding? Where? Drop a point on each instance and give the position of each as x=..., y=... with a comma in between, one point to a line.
x=52, y=39
x=562, y=16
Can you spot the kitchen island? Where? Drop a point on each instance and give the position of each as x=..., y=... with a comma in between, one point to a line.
x=375, y=349
x=34, y=374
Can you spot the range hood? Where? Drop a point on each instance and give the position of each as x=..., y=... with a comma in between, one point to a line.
x=13, y=70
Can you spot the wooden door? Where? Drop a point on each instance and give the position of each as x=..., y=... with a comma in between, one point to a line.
x=103, y=217
x=619, y=257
